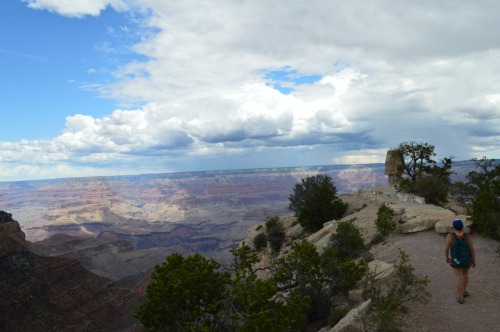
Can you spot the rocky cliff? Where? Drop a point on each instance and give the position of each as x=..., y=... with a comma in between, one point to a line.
x=12, y=239
x=56, y=294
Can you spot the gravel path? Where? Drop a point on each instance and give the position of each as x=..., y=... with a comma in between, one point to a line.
x=481, y=311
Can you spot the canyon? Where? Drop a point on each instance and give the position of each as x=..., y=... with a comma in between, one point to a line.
x=79, y=254
x=119, y=227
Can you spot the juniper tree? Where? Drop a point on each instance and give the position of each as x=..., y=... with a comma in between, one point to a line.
x=315, y=201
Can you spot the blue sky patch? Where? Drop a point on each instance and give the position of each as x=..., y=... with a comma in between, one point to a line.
x=286, y=79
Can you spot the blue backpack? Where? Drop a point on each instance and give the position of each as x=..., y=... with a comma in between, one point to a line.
x=460, y=252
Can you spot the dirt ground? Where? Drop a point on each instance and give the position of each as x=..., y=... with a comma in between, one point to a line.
x=481, y=310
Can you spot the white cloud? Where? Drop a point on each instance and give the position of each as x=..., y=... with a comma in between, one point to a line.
x=76, y=8
x=390, y=72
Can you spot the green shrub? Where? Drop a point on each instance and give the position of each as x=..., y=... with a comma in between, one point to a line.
x=275, y=233
x=260, y=241
x=347, y=240
x=315, y=202
x=433, y=189
x=385, y=222
x=389, y=298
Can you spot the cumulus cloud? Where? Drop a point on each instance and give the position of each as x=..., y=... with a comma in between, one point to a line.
x=76, y=8
x=384, y=72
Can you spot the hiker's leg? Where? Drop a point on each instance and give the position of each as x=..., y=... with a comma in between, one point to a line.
x=466, y=278
x=459, y=281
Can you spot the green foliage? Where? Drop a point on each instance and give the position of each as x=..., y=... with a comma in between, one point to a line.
x=337, y=258
x=185, y=295
x=191, y=294
x=315, y=202
x=275, y=233
x=254, y=302
x=484, y=209
x=306, y=274
x=420, y=174
x=389, y=298
x=347, y=240
x=260, y=241
x=388, y=321
x=416, y=158
x=299, y=269
x=385, y=222
x=345, y=271
x=433, y=189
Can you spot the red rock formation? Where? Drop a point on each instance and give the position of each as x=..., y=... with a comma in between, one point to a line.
x=56, y=294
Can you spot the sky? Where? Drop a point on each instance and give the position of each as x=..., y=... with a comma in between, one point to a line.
x=115, y=87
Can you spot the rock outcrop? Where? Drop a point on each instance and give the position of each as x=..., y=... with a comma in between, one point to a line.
x=354, y=321
x=393, y=162
x=12, y=238
x=56, y=294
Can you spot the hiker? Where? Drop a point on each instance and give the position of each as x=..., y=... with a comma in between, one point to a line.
x=460, y=259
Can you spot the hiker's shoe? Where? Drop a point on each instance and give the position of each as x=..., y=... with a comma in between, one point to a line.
x=466, y=294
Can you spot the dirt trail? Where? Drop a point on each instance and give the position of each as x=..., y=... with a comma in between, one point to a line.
x=481, y=311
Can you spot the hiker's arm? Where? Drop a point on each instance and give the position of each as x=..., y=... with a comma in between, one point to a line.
x=447, y=248
x=472, y=251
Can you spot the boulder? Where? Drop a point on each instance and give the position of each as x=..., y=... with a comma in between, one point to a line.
x=417, y=225
x=380, y=269
x=354, y=321
x=417, y=219
x=404, y=197
x=445, y=226
x=321, y=238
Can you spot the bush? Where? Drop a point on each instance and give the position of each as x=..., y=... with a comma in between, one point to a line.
x=260, y=241
x=315, y=202
x=347, y=240
x=389, y=298
x=433, y=189
x=484, y=187
x=385, y=222
x=275, y=233
x=195, y=294
x=183, y=289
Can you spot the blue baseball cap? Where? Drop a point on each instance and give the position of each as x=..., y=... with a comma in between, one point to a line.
x=458, y=224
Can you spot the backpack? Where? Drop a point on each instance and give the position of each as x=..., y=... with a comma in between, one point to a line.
x=460, y=252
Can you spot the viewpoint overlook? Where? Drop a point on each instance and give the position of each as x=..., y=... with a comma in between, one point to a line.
x=118, y=228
